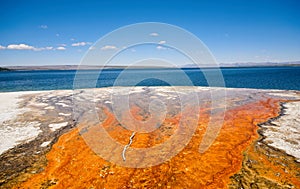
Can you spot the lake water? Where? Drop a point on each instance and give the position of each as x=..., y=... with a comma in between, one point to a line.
x=259, y=78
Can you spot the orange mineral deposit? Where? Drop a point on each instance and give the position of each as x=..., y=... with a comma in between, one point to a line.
x=72, y=164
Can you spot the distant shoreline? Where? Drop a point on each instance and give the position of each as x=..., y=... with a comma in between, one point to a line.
x=76, y=67
x=4, y=69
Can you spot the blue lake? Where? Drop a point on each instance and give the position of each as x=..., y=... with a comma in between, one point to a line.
x=257, y=77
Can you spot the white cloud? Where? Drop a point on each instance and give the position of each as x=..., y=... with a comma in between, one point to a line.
x=20, y=47
x=162, y=42
x=72, y=39
x=109, y=47
x=159, y=47
x=154, y=34
x=23, y=46
x=92, y=48
x=57, y=35
x=48, y=48
x=42, y=48
x=44, y=26
x=61, y=48
x=80, y=44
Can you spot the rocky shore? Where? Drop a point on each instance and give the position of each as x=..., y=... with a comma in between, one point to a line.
x=50, y=139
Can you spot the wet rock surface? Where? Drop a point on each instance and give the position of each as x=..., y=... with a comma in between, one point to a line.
x=28, y=156
x=62, y=155
x=271, y=165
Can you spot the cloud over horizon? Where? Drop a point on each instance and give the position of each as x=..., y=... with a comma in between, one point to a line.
x=159, y=47
x=23, y=46
x=20, y=47
x=109, y=47
x=154, y=34
x=43, y=26
x=78, y=44
x=61, y=48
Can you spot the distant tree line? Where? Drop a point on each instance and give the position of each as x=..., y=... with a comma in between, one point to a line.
x=4, y=69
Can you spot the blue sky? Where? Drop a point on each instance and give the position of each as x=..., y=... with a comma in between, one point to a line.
x=60, y=32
